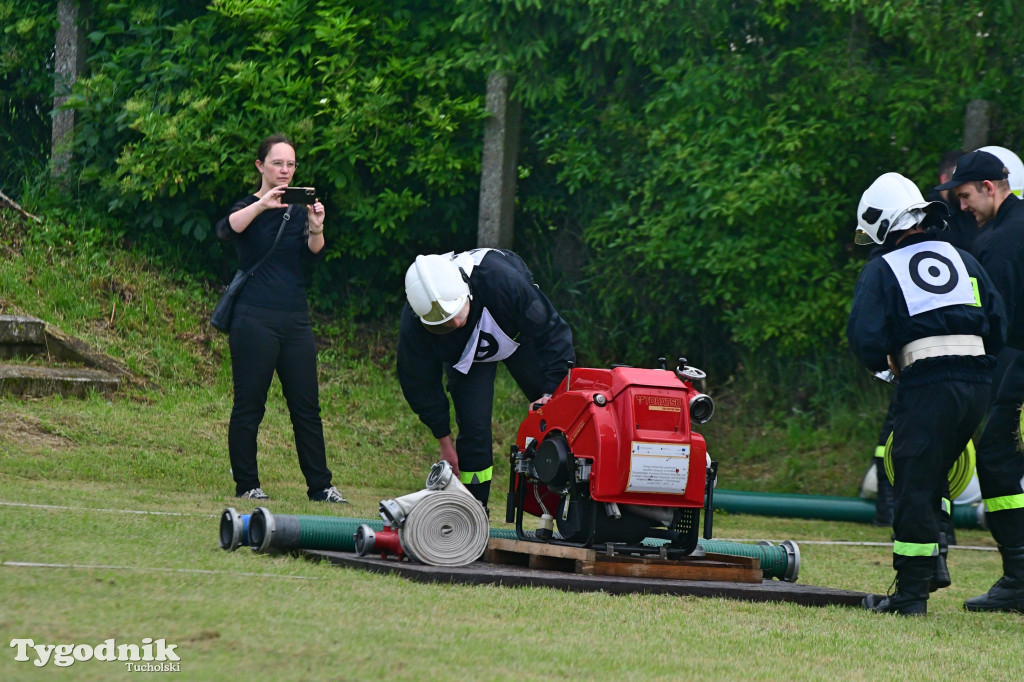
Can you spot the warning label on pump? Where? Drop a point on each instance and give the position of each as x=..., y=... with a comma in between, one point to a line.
x=658, y=468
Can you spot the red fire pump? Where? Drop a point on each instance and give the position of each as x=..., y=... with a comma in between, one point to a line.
x=611, y=458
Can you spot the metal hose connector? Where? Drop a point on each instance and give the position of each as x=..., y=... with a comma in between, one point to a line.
x=447, y=528
x=789, y=570
x=442, y=477
x=234, y=529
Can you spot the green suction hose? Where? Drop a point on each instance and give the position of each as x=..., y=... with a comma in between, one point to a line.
x=268, y=532
x=781, y=562
x=825, y=507
x=280, y=532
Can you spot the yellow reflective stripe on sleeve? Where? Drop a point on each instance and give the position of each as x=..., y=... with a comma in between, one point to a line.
x=915, y=548
x=977, y=294
x=1004, y=503
x=880, y=451
x=946, y=506
x=468, y=477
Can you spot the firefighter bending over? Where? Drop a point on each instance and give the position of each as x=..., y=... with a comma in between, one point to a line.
x=927, y=310
x=465, y=313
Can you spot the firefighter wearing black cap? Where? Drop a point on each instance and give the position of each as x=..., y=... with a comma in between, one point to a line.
x=928, y=311
x=465, y=313
x=979, y=182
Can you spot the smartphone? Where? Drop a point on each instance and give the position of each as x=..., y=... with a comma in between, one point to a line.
x=299, y=195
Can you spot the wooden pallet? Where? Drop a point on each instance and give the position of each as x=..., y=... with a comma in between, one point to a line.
x=593, y=561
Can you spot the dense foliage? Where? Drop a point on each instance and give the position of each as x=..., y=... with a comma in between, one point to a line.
x=27, y=32
x=688, y=171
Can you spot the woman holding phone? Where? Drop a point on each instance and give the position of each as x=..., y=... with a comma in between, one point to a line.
x=270, y=326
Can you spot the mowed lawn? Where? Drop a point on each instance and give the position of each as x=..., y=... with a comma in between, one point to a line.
x=109, y=515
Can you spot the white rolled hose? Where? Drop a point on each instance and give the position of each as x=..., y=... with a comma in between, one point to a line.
x=441, y=525
x=445, y=528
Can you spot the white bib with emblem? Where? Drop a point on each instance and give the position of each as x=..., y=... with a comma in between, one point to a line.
x=932, y=275
x=487, y=343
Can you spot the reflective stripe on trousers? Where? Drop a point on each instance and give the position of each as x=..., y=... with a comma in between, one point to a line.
x=470, y=477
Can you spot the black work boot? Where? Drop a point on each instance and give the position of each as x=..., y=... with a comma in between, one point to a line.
x=910, y=597
x=1008, y=592
x=941, y=578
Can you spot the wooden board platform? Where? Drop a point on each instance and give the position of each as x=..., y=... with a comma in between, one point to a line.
x=483, y=573
x=590, y=561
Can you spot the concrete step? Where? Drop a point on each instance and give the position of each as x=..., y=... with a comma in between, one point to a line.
x=73, y=368
x=21, y=336
x=29, y=381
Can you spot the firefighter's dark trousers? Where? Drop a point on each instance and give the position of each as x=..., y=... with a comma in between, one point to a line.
x=1000, y=461
x=932, y=422
x=473, y=398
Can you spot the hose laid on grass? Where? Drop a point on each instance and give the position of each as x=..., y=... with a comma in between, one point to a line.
x=280, y=532
x=825, y=507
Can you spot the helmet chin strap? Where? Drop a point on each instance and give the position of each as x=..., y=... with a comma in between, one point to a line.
x=465, y=278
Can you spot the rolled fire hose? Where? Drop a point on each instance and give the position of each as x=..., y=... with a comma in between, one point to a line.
x=447, y=528
x=960, y=473
x=441, y=525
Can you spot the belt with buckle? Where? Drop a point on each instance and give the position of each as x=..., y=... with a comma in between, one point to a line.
x=936, y=346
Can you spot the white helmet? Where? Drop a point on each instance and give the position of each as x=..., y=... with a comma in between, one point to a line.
x=892, y=203
x=1012, y=163
x=436, y=290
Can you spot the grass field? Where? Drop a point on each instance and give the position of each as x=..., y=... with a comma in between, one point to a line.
x=109, y=512
x=81, y=566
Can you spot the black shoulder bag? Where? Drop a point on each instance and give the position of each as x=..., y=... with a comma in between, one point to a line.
x=225, y=308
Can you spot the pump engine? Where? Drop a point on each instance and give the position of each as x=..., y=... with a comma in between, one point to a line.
x=611, y=458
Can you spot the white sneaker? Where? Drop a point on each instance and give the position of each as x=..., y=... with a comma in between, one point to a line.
x=330, y=494
x=254, y=494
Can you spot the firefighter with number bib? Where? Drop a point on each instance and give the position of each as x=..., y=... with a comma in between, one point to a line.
x=465, y=313
x=928, y=311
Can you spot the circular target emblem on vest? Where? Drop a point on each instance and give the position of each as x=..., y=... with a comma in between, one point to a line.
x=960, y=473
x=933, y=272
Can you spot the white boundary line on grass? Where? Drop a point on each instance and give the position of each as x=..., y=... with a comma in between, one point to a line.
x=116, y=511
x=32, y=564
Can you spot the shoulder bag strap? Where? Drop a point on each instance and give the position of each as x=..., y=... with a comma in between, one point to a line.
x=280, y=231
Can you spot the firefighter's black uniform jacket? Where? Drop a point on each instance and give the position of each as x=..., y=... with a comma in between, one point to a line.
x=1000, y=249
x=503, y=286
x=939, y=401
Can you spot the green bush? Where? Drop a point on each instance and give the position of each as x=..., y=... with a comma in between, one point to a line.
x=26, y=89
x=688, y=172
x=179, y=98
